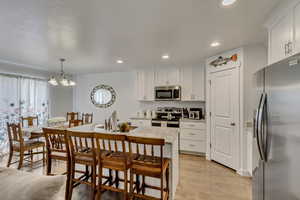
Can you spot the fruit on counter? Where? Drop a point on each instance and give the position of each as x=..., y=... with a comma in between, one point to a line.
x=124, y=127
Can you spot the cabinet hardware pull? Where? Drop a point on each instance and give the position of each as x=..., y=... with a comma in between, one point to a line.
x=285, y=49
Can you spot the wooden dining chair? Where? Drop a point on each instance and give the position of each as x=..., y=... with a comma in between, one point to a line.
x=24, y=148
x=72, y=116
x=31, y=121
x=82, y=152
x=58, y=149
x=75, y=122
x=111, y=153
x=147, y=164
x=87, y=118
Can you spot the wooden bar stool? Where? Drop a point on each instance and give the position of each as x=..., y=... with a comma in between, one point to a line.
x=148, y=165
x=72, y=115
x=112, y=155
x=58, y=149
x=87, y=118
x=30, y=121
x=17, y=144
x=82, y=151
x=75, y=122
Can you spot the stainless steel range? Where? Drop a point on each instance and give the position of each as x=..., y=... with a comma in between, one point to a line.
x=167, y=117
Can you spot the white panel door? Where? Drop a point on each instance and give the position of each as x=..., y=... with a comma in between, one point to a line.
x=297, y=28
x=280, y=36
x=225, y=117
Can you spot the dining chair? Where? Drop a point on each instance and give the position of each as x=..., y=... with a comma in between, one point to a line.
x=24, y=148
x=30, y=121
x=75, y=122
x=87, y=118
x=111, y=153
x=82, y=152
x=72, y=115
x=58, y=149
x=147, y=164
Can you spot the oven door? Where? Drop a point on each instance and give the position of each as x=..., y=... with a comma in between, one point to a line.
x=163, y=94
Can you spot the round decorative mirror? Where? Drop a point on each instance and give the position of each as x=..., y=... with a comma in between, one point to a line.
x=103, y=96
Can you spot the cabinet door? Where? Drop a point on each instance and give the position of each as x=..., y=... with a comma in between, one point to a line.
x=192, y=83
x=186, y=82
x=280, y=35
x=166, y=76
x=140, y=84
x=149, y=85
x=297, y=28
x=173, y=76
x=198, y=84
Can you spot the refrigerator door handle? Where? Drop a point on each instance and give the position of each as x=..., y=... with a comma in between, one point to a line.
x=258, y=127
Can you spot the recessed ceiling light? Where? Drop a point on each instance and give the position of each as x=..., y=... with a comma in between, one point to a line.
x=228, y=2
x=165, y=56
x=215, y=44
x=120, y=61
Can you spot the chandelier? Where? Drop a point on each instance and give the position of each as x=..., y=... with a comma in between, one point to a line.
x=63, y=80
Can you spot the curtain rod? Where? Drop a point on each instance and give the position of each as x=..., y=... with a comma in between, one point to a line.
x=22, y=76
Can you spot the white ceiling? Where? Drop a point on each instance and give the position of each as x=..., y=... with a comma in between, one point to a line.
x=93, y=34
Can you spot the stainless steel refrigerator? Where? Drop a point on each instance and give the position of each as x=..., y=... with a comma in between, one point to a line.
x=277, y=132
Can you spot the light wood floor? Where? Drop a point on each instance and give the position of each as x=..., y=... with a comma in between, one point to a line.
x=199, y=180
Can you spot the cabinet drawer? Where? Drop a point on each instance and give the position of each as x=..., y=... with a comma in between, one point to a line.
x=194, y=146
x=192, y=125
x=192, y=134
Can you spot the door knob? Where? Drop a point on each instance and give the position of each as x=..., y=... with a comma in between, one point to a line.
x=232, y=124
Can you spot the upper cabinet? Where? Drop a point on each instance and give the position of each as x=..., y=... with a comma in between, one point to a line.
x=191, y=80
x=192, y=83
x=145, y=85
x=166, y=76
x=284, y=33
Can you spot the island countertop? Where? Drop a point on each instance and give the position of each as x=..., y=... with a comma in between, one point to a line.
x=170, y=135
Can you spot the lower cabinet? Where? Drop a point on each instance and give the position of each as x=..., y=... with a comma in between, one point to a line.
x=193, y=137
x=141, y=122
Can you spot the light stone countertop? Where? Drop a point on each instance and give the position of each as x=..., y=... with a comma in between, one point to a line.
x=170, y=135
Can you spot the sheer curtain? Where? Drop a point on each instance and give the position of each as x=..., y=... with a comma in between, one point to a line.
x=21, y=96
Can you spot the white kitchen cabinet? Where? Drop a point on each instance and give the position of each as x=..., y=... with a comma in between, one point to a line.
x=284, y=32
x=145, y=85
x=192, y=137
x=192, y=81
x=281, y=39
x=166, y=76
x=141, y=122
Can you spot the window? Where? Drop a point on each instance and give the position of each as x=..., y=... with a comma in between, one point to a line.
x=21, y=96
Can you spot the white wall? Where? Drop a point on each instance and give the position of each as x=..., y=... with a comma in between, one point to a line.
x=126, y=102
x=255, y=58
x=61, y=101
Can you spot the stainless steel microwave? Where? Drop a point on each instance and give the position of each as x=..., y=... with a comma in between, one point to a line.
x=168, y=93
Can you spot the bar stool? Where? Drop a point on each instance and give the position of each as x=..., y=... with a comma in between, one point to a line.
x=58, y=149
x=112, y=155
x=75, y=122
x=87, y=118
x=148, y=165
x=72, y=115
x=82, y=151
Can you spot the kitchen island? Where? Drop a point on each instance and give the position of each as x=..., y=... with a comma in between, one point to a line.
x=171, y=137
